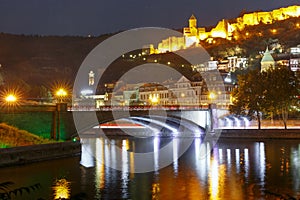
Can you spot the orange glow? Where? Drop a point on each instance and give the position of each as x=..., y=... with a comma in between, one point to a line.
x=274, y=31
x=61, y=92
x=11, y=97
x=216, y=179
x=61, y=189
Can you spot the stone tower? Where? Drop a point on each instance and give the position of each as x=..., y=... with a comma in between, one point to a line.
x=267, y=61
x=193, y=22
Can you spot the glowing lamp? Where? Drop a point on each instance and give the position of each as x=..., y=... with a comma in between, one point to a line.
x=61, y=92
x=10, y=98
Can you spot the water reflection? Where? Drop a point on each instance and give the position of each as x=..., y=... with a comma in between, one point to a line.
x=61, y=189
x=207, y=171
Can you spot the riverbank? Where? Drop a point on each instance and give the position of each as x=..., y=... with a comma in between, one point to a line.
x=259, y=134
x=225, y=133
x=13, y=137
x=35, y=153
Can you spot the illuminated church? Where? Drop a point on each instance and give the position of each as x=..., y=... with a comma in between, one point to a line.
x=193, y=34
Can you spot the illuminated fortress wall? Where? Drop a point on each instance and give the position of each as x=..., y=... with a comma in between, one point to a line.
x=193, y=34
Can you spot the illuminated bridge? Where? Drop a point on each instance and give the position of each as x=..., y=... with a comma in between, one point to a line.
x=60, y=123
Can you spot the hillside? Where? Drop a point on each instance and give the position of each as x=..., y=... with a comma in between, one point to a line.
x=255, y=38
x=13, y=137
x=35, y=61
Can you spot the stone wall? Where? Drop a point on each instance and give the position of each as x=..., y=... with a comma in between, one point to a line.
x=35, y=153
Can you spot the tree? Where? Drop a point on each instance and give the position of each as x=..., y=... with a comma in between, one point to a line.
x=282, y=91
x=273, y=91
x=249, y=97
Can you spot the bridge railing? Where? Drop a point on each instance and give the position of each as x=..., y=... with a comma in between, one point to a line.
x=137, y=108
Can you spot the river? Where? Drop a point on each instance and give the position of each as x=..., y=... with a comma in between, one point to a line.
x=223, y=169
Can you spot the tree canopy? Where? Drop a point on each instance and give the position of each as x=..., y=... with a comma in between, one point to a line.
x=273, y=91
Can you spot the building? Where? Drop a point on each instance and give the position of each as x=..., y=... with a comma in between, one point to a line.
x=267, y=61
x=224, y=29
x=154, y=94
x=186, y=92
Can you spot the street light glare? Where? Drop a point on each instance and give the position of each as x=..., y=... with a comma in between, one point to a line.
x=212, y=95
x=61, y=92
x=10, y=98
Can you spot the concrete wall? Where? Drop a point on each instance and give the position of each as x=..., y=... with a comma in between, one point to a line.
x=34, y=153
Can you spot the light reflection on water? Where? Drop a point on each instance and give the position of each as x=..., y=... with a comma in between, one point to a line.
x=214, y=170
x=231, y=169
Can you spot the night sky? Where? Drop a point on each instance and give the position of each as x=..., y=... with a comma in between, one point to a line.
x=96, y=17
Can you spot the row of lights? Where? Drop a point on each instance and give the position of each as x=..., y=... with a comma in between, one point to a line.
x=12, y=97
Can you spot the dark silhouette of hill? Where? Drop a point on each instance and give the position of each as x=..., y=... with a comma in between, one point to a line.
x=37, y=59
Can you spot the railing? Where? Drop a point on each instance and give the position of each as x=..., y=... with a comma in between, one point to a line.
x=138, y=108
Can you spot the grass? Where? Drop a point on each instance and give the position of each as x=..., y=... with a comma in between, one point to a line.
x=12, y=137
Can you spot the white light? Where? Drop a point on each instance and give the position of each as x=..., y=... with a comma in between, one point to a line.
x=86, y=92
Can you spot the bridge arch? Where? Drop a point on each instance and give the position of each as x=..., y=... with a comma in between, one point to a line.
x=195, y=123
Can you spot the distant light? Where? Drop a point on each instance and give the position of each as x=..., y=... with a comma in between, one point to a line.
x=169, y=63
x=274, y=31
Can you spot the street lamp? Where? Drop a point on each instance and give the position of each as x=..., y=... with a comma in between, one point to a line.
x=61, y=93
x=10, y=98
x=154, y=99
x=212, y=96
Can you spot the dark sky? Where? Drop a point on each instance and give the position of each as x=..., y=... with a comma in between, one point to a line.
x=96, y=17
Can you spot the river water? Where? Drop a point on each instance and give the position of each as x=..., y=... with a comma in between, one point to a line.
x=223, y=169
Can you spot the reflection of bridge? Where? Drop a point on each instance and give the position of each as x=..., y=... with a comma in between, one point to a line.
x=57, y=121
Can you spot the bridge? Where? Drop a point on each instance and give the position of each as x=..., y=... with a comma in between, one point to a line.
x=59, y=122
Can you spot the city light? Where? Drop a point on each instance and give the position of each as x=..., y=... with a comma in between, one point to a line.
x=274, y=31
x=154, y=99
x=212, y=95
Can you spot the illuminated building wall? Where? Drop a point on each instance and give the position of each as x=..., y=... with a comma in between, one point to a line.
x=193, y=34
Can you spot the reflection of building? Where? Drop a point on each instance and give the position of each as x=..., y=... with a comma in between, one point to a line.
x=224, y=29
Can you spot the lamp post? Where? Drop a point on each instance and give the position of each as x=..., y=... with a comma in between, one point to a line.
x=61, y=93
x=213, y=111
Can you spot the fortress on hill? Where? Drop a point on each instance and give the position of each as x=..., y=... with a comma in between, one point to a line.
x=193, y=34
